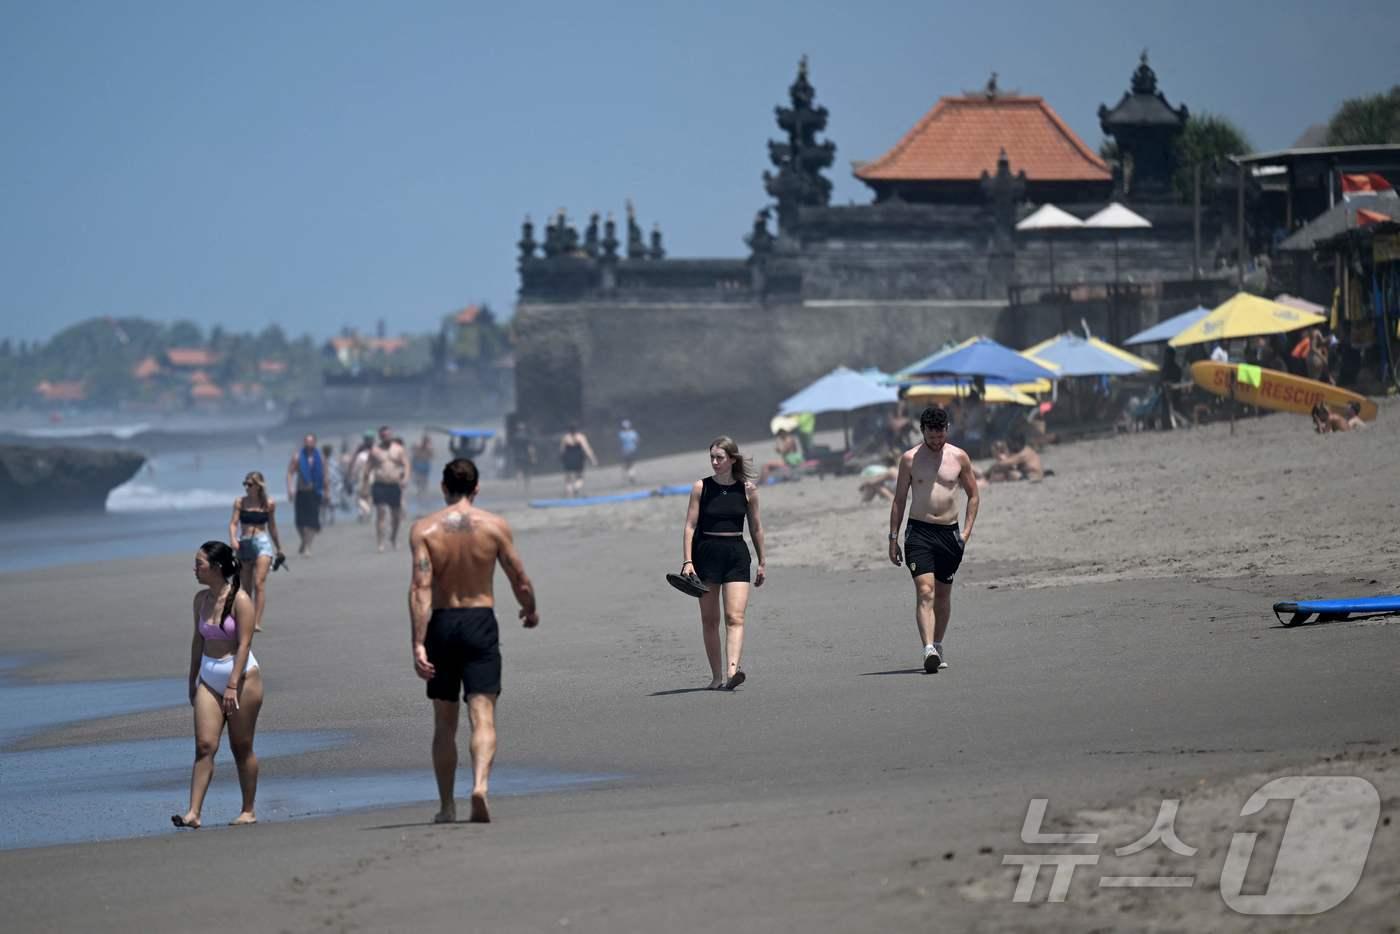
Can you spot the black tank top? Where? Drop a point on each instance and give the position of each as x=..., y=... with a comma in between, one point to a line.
x=722, y=508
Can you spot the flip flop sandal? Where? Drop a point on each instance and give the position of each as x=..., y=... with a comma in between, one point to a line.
x=738, y=679
x=688, y=584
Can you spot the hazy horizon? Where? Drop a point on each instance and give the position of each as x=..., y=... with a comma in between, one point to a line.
x=266, y=163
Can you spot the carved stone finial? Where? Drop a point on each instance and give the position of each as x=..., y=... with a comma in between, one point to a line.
x=1144, y=79
x=799, y=157
x=527, y=242
x=992, y=88
x=657, y=251
x=610, y=242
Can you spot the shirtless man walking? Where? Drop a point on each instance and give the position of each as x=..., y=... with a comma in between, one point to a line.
x=455, y=637
x=388, y=472
x=932, y=544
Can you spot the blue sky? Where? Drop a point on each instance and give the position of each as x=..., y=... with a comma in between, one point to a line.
x=320, y=164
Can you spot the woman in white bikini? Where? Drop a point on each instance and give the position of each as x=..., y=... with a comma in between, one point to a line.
x=225, y=683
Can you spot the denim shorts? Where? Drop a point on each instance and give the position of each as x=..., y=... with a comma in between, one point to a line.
x=254, y=547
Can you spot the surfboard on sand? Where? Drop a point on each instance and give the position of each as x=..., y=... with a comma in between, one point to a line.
x=1282, y=392
x=1302, y=610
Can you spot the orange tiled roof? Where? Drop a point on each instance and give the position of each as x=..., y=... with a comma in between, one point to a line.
x=962, y=137
x=467, y=315
x=386, y=344
x=62, y=391
x=206, y=391
x=343, y=342
x=272, y=366
x=199, y=377
x=191, y=356
x=148, y=367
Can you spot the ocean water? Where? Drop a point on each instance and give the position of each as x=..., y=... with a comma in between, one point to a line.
x=182, y=497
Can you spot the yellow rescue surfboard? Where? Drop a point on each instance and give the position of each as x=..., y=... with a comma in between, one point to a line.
x=1282, y=392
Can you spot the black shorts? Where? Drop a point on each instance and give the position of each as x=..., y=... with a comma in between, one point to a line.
x=720, y=559
x=386, y=494
x=308, y=509
x=464, y=646
x=935, y=549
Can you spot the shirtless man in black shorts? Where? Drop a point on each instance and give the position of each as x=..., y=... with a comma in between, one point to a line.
x=933, y=546
x=388, y=472
x=455, y=638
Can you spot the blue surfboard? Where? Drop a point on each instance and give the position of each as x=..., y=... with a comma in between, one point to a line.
x=1303, y=610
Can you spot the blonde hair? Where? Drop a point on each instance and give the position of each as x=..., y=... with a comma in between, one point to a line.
x=256, y=478
x=728, y=446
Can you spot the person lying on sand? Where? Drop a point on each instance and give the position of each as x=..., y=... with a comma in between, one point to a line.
x=1326, y=421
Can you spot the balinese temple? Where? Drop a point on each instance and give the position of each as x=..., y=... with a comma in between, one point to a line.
x=1146, y=128
x=933, y=256
x=943, y=158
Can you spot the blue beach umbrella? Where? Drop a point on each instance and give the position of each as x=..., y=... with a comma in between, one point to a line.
x=979, y=357
x=841, y=390
x=1166, y=330
x=1078, y=356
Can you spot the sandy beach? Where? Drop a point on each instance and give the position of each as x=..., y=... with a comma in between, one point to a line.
x=1112, y=647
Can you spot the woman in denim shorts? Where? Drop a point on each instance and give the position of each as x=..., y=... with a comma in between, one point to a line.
x=252, y=533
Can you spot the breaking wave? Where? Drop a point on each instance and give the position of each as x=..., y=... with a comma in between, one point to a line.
x=59, y=432
x=141, y=497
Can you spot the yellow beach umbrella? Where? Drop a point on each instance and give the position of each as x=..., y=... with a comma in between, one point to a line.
x=996, y=393
x=1245, y=315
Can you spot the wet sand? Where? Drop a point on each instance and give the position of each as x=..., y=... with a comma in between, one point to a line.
x=1112, y=645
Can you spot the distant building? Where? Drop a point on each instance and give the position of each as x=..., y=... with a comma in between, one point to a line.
x=190, y=358
x=61, y=391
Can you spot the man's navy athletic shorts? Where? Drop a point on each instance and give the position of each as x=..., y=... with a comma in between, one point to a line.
x=933, y=549
x=464, y=646
x=386, y=494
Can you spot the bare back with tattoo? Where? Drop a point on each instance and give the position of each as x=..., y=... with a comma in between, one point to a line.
x=458, y=547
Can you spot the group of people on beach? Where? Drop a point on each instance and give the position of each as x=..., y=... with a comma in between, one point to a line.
x=453, y=628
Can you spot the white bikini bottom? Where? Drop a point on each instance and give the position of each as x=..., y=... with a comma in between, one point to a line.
x=215, y=672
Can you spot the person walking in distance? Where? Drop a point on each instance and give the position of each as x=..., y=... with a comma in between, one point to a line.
x=452, y=621
x=628, y=442
x=306, y=487
x=388, y=472
x=933, y=545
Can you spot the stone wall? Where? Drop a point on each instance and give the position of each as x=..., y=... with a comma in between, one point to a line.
x=682, y=371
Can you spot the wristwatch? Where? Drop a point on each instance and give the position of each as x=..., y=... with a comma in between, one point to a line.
x=894, y=536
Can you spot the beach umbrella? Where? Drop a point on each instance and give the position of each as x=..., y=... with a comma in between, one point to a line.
x=842, y=390
x=1080, y=356
x=1117, y=218
x=1166, y=330
x=997, y=393
x=979, y=357
x=1245, y=315
x=1049, y=217
x=1302, y=304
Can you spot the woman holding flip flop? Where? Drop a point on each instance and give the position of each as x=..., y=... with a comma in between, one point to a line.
x=225, y=683
x=715, y=554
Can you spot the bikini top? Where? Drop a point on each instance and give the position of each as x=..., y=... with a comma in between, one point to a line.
x=252, y=517
x=207, y=629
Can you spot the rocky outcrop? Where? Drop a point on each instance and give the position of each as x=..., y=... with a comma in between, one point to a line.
x=38, y=480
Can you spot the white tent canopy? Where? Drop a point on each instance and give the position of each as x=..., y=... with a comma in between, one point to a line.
x=1117, y=217
x=1049, y=217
